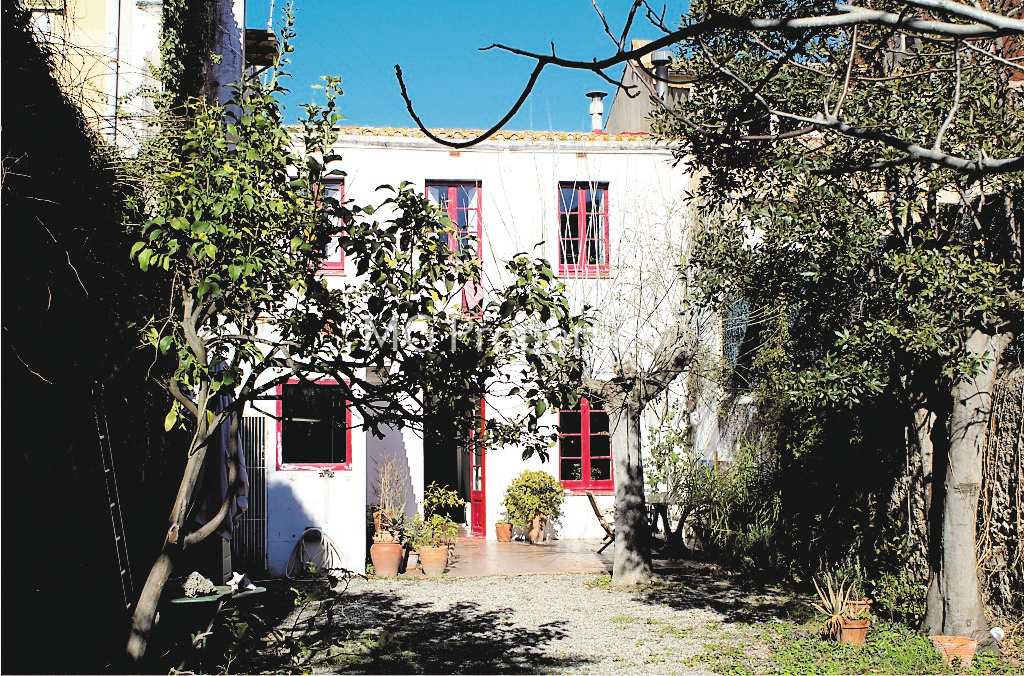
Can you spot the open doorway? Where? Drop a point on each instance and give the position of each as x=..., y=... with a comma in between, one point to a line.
x=455, y=457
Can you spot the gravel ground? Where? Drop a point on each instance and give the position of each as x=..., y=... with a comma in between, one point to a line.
x=533, y=623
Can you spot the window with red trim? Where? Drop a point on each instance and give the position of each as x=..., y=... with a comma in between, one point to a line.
x=583, y=236
x=585, y=448
x=335, y=258
x=314, y=426
x=460, y=200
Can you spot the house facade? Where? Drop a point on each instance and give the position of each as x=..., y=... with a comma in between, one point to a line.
x=606, y=210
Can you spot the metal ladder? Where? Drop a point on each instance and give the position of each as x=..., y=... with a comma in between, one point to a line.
x=113, y=497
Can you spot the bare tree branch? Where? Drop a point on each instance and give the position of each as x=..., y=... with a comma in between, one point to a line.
x=983, y=165
x=975, y=14
x=956, y=103
x=986, y=25
x=1006, y=62
x=849, y=71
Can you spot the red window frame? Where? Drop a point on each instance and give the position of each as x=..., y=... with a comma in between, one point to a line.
x=587, y=253
x=334, y=262
x=567, y=455
x=472, y=294
x=300, y=466
x=454, y=211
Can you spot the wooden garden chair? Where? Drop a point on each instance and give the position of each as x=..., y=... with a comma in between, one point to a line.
x=609, y=528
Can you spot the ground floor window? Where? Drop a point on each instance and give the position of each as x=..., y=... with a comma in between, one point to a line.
x=585, y=447
x=315, y=426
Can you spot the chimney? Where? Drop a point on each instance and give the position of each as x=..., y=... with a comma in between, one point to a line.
x=596, y=110
x=661, y=59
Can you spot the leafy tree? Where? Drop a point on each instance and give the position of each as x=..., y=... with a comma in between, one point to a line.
x=862, y=167
x=900, y=266
x=240, y=224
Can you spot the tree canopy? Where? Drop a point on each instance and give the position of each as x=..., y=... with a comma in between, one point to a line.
x=241, y=221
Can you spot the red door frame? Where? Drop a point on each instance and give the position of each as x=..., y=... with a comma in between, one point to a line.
x=478, y=476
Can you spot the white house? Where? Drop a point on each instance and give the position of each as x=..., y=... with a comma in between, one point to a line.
x=606, y=210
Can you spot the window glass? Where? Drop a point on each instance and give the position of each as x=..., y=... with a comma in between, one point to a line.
x=570, y=422
x=583, y=227
x=584, y=446
x=335, y=256
x=314, y=427
x=460, y=201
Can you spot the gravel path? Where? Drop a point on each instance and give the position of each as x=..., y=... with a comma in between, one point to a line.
x=535, y=623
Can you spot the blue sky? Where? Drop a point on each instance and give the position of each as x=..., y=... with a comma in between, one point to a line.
x=451, y=82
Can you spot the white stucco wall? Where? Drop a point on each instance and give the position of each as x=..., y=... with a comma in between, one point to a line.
x=297, y=498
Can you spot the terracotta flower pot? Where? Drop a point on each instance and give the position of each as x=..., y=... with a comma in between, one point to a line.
x=952, y=647
x=386, y=557
x=854, y=631
x=503, y=531
x=433, y=560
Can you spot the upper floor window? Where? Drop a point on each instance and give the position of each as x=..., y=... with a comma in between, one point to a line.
x=583, y=235
x=585, y=448
x=315, y=426
x=334, y=261
x=460, y=200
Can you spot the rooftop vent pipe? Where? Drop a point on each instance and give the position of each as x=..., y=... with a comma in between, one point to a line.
x=661, y=59
x=596, y=110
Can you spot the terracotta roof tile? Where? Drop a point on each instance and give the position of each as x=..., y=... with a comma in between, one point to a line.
x=504, y=135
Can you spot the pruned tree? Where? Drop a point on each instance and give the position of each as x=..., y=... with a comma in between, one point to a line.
x=240, y=223
x=646, y=335
x=865, y=160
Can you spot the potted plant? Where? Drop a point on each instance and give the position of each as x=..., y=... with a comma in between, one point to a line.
x=844, y=621
x=390, y=521
x=431, y=539
x=833, y=605
x=503, y=529
x=531, y=499
x=856, y=621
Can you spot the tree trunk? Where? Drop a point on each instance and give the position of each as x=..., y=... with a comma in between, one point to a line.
x=954, y=605
x=145, y=610
x=632, y=562
x=144, y=617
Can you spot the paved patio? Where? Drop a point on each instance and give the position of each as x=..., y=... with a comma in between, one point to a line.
x=477, y=557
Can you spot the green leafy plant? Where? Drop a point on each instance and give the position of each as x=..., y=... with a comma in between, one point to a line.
x=788, y=648
x=532, y=492
x=437, y=530
x=437, y=498
x=834, y=604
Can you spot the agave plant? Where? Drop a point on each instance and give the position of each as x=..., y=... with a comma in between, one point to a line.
x=833, y=605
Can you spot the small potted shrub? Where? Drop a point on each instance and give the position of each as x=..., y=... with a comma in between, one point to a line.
x=431, y=538
x=391, y=525
x=438, y=499
x=531, y=499
x=844, y=622
x=503, y=529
